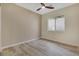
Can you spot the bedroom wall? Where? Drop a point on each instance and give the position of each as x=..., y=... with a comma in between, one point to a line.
x=18, y=24
x=0, y=26
x=71, y=34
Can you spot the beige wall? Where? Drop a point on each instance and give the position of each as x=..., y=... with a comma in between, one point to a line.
x=18, y=25
x=71, y=34
x=0, y=27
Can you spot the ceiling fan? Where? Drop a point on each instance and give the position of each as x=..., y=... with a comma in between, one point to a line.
x=44, y=6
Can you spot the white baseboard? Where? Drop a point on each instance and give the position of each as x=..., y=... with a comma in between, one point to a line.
x=17, y=44
x=57, y=41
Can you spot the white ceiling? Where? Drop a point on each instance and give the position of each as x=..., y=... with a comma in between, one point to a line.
x=34, y=6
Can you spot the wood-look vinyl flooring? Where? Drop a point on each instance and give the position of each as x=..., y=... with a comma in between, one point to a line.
x=38, y=48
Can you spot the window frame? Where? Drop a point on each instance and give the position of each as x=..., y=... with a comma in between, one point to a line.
x=56, y=24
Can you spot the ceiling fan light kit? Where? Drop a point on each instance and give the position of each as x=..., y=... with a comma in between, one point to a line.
x=43, y=7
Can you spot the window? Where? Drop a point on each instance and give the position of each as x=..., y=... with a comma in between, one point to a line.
x=56, y=24
x=51, y=25
x=60, y=24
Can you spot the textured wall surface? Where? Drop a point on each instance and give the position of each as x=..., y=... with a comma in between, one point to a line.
x=18, y=24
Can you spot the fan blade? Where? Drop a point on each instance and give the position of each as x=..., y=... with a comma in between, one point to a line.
x=49, y=7
x=42, y=4
x=38, y=9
